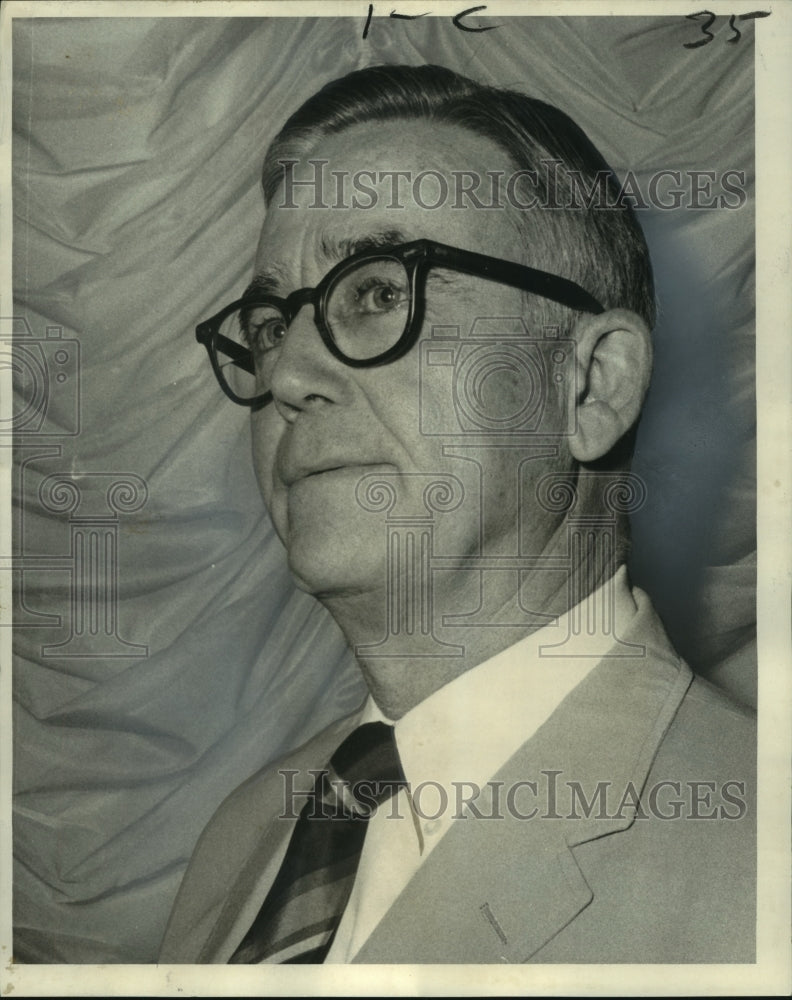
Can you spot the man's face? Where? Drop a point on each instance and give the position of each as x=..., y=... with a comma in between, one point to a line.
x=331, y=424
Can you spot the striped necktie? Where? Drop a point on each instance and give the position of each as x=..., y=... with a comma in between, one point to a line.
x=299, y=917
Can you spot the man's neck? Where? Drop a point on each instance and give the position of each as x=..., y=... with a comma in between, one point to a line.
x=403, y=663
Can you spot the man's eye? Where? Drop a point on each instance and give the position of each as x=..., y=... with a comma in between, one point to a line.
x=272, y=332
x=377, y=296
x=263, y=332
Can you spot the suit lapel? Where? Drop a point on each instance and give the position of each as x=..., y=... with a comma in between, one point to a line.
x=257, y=870
x=497, y=890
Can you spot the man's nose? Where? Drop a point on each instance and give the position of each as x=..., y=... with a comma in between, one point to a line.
x=306, y=376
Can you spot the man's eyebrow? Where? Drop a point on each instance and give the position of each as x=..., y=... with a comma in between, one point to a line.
x=379, y=240
x=267, y=282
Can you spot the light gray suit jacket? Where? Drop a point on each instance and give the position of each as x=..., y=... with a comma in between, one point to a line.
x=621, y=884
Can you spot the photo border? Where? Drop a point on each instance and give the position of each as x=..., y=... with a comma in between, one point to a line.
x=771, y=973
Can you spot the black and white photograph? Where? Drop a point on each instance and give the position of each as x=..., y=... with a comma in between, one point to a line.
x=395, y=439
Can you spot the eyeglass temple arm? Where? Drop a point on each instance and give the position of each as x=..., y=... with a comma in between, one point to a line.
x=242, y=357
x=529, y=279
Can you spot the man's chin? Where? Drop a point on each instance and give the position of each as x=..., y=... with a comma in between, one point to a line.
x=329, y=538
x=335, y=590
x=332, y=570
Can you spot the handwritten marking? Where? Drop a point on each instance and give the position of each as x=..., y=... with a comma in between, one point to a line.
x=456, y=20
x=368, y=20
x=711, y=18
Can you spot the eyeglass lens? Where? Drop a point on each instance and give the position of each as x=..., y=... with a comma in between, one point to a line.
x=367, y=308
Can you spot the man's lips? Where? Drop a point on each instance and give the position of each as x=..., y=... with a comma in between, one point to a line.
x=301, y=473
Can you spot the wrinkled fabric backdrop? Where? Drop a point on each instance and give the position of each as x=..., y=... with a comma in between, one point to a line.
x=137, y=150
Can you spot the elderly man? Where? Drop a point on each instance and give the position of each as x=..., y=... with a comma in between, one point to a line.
x=445, y=350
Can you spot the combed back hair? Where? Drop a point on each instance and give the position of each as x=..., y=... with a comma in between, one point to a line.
x=601, y=248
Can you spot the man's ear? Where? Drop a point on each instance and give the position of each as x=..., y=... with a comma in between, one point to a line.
x=613, y=365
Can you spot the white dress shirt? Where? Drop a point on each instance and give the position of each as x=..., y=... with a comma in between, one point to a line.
x=459, y=737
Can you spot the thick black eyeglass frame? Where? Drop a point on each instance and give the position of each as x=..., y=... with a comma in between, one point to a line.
x=417, y=258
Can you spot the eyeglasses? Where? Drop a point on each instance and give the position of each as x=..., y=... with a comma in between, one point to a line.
x=368, y=310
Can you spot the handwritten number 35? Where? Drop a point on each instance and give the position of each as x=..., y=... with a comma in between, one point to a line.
x=710, y=18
